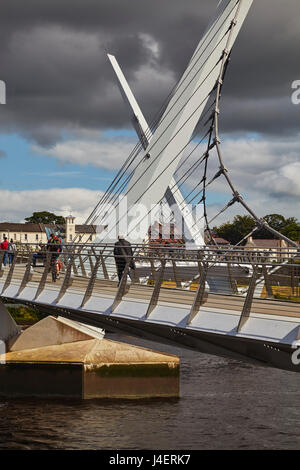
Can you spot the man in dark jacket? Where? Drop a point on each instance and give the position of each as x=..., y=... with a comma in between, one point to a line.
x=122, y=253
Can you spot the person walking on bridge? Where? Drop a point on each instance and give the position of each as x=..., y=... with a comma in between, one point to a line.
x=11, y=251
x=122, y=253
x=4, y=247
x=54, y=246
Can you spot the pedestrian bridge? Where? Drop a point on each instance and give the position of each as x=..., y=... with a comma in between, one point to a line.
x=230, y=302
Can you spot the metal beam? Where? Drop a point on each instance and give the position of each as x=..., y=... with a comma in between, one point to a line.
x=232, y=281
x=201, y=296
x=268, y=284
x=67, y=282
x=10, y=273
x=156, y=290
x=245, y=315
x=27, y=274
x=43, y=280
x=1, y=262
x=90, y=287
x=122, y=287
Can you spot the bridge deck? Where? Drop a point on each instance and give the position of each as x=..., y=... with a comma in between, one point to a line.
x=167, y=294
x=241, y=316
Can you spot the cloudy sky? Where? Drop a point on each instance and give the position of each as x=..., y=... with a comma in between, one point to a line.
x=65, y=130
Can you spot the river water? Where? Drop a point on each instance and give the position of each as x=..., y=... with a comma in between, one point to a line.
x=224, y=404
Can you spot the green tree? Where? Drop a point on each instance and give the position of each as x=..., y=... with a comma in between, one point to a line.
x=275, y=221
x=242, y=225
x=238, y=229
x=292, y=229
x=45, y=217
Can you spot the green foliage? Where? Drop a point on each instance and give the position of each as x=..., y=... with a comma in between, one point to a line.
x=237, y=230
x=25, y=315
x=45, y=217
x=242, y=225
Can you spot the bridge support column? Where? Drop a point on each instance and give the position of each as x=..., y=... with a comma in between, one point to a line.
x=58, y=357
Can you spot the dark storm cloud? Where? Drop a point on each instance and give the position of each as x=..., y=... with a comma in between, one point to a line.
x=53, y=60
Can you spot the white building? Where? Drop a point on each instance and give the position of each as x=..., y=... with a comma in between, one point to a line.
x=39, y=233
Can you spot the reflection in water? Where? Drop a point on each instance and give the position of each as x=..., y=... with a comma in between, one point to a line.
x=224, y=404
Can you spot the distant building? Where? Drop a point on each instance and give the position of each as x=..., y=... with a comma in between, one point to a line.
x=280, y=248
x=165, y=233
x=39, y=233
x=23, y=233
x=221, y=241
x=218, y=240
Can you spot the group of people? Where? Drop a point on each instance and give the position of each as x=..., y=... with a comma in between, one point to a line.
x=9, y=249
x=122, y=253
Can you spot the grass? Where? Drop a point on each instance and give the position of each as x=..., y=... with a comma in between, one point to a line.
x=25, y=315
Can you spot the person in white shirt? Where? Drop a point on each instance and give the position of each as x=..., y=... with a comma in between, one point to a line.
x=11, y=251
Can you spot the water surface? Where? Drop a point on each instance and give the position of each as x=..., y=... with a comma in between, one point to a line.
x=224, y=404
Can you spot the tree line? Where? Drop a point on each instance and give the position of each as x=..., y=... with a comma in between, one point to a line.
x=242, y=225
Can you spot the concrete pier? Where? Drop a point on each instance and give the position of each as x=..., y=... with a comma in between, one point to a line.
x=60, y=358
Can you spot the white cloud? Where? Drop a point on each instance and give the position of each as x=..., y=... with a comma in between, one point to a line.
x=108, y=152
x=265, y=172
x=285, y=182
x=78, y=201
x=151, y=44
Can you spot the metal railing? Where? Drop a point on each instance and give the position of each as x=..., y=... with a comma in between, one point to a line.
x=160, y=274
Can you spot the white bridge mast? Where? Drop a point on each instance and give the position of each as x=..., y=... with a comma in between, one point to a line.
x=154, y=174
x=173, y=194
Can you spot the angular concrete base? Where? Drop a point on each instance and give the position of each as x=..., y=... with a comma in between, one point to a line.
x=86, y=368
x=54, y=331
x=9, y=330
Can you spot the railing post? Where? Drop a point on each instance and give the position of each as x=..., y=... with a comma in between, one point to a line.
x=90, y=260
x=26, y=274
x=104, y=270
x=90, y=287
x=71, y=254
x=75, y=270
x=1, y=261
x=43, y=280
x=231, y=280
x=67, y=282
x=10, y=273
x=154, y=274
x=156, y=290
x=200, y=297
x=248, y=301
x=122, y=286
x=83, y=271
x=267, y=282
x=105, y=274
x=178, y=284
